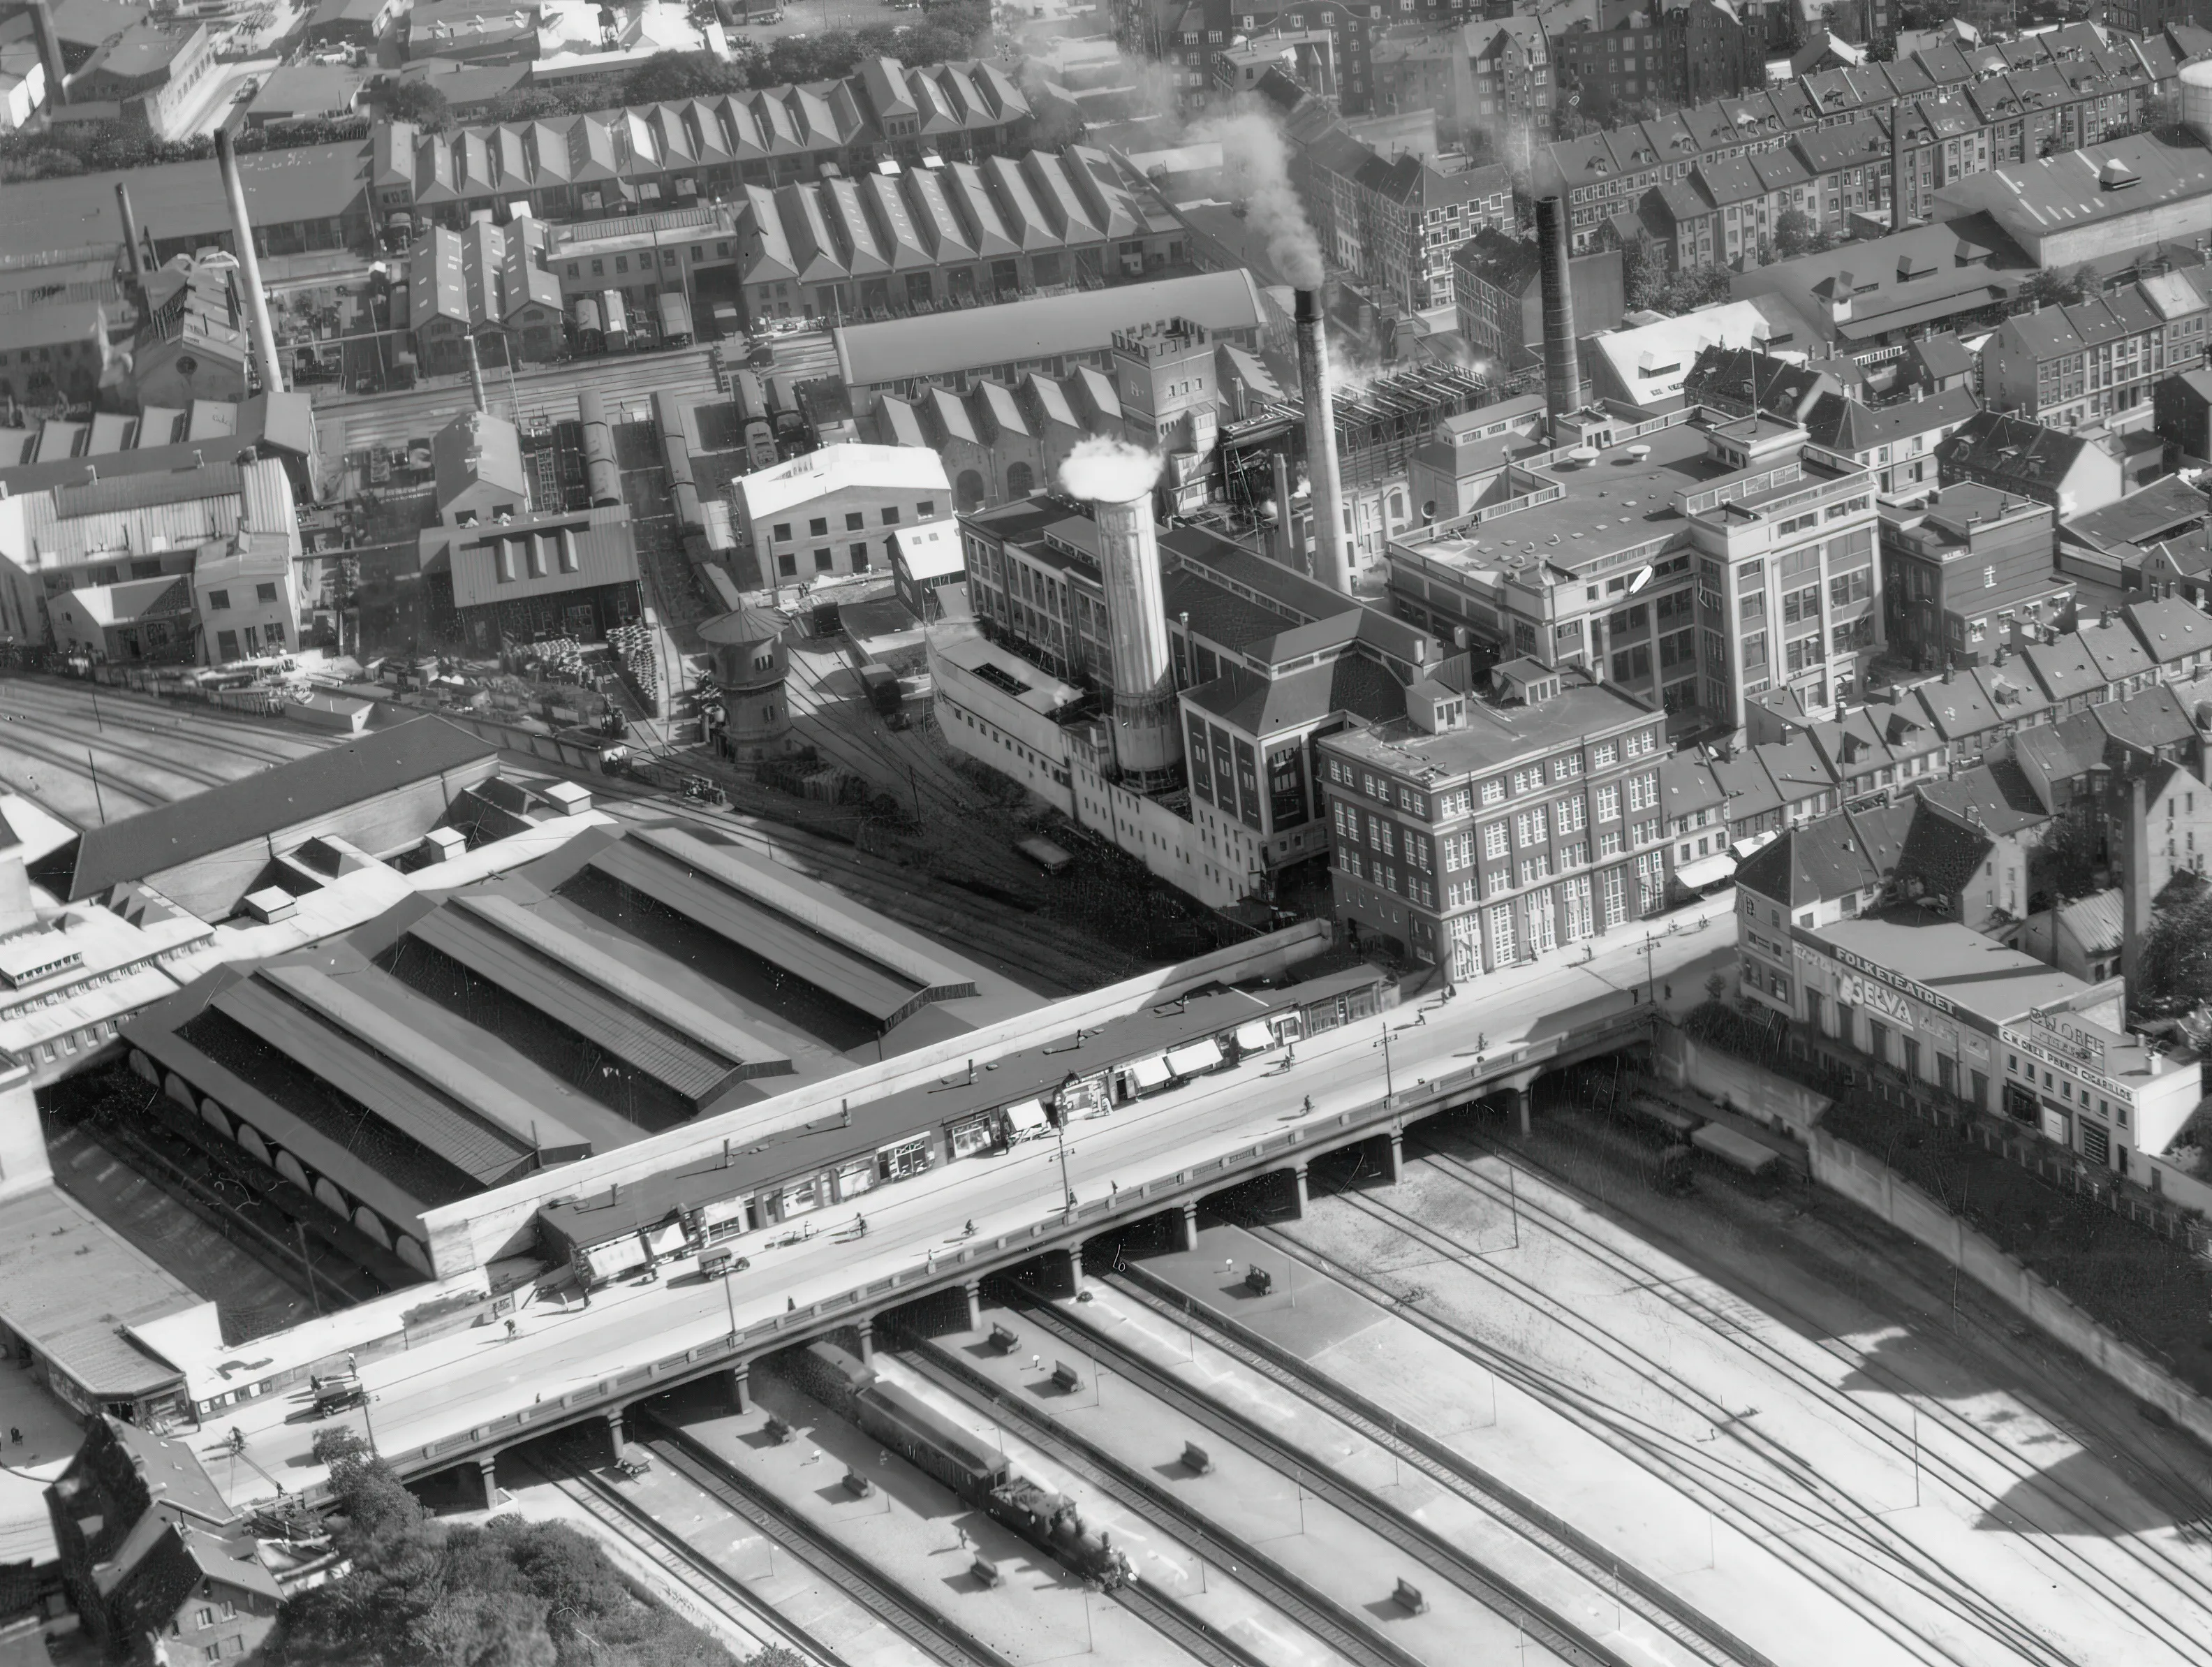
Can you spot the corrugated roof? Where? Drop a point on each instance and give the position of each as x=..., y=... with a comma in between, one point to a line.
x=623, y=1032
x=484, y=1152
x=781, y=942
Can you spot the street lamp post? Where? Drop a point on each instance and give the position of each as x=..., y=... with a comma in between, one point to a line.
x=1389, y=1083
x=1651, y=943
x=1066, y=1187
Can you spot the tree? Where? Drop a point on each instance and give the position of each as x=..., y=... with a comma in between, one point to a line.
x=1796, y=233
x=2055, y=289
x=667, y=77
x=1644, y=273
x=417, y=100
x=2064, y=866
x=2174, y=974
x=422, y=1593
x=1692, y=287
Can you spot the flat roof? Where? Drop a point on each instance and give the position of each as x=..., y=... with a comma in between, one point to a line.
x=1955, y=962
x=1496, y=734
x=70, y=1283
x=255, y=807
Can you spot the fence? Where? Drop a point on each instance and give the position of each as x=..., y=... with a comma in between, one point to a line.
x=1796, y=1059
x=1870, y=1184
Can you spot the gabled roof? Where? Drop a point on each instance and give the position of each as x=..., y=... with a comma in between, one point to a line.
x=2169, y=628
x=1832, y=857
x=1994, y=797
x=258, y=806
x=1940, y=854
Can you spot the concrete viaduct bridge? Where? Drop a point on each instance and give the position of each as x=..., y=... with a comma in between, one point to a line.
x=1506, y=1076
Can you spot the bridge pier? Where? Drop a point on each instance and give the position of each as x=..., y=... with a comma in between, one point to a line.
x=1397, y=1156
x=616, y=1432
x=972, y=1289
x=1070, y=1269
x=1300, y=1198
x=487, y=1472
x=1189, y=1217
x=1516, y=1101
x=866, y=1327
x=737, y=1384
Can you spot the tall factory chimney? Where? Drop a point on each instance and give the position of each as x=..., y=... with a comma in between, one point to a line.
x=1563, y=376
x=2135, y=878
x=132, y=250
x=1117, y=479
x=261, y=331
x=1332, y=564
x=50, y=52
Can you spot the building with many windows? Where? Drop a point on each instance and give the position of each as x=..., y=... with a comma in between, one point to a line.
x=835, y=511
x=1967, y=572
x=2097, y=361
x=1482, y=832
x=1697, y=565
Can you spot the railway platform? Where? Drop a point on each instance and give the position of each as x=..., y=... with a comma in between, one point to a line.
x=908, y=1530
x=1248, y=1500
x=1207, y=1592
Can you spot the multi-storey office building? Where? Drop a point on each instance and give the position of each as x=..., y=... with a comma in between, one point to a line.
x=1482, y=833
x=1696, y=565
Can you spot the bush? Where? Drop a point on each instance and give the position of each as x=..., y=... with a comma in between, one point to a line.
x=423, y=1593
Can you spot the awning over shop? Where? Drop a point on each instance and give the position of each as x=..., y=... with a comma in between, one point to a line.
x=1707, y=870
x=1201, y=1056
x=1026, y=1118
x=1150, y=1072
x=1254, y=1038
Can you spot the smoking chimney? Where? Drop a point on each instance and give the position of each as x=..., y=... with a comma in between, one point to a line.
x=1117, y=479
x=1563, y=376
x=131, y=249
x=264, y=333
x=1331, y=564
x=476, y=374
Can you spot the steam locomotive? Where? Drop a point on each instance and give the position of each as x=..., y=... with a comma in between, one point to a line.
x=903, y=1425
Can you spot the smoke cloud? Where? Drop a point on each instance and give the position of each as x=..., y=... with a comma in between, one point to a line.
x=1256, y=168
x=1108, y=471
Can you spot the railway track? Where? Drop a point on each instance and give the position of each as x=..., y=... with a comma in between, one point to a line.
x=1543, y=1623
x=708, y=1581
x=942, y=1639
x=1660, y=1609
x=2182, y=1581
x=1287, y=1592
x=1016, y=941
x=51, y=701
x=1776, y=1499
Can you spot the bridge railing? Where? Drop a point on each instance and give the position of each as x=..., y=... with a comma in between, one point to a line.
x=672, y=1369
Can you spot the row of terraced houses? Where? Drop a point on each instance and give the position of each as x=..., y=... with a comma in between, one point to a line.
x=1708, y=183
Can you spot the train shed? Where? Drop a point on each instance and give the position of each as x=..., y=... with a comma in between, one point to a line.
x=622, y=986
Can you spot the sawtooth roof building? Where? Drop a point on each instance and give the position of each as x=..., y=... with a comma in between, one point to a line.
x=671, y=154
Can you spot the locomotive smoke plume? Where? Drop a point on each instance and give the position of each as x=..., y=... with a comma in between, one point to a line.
x=1256, y=165
x=1108, y=471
